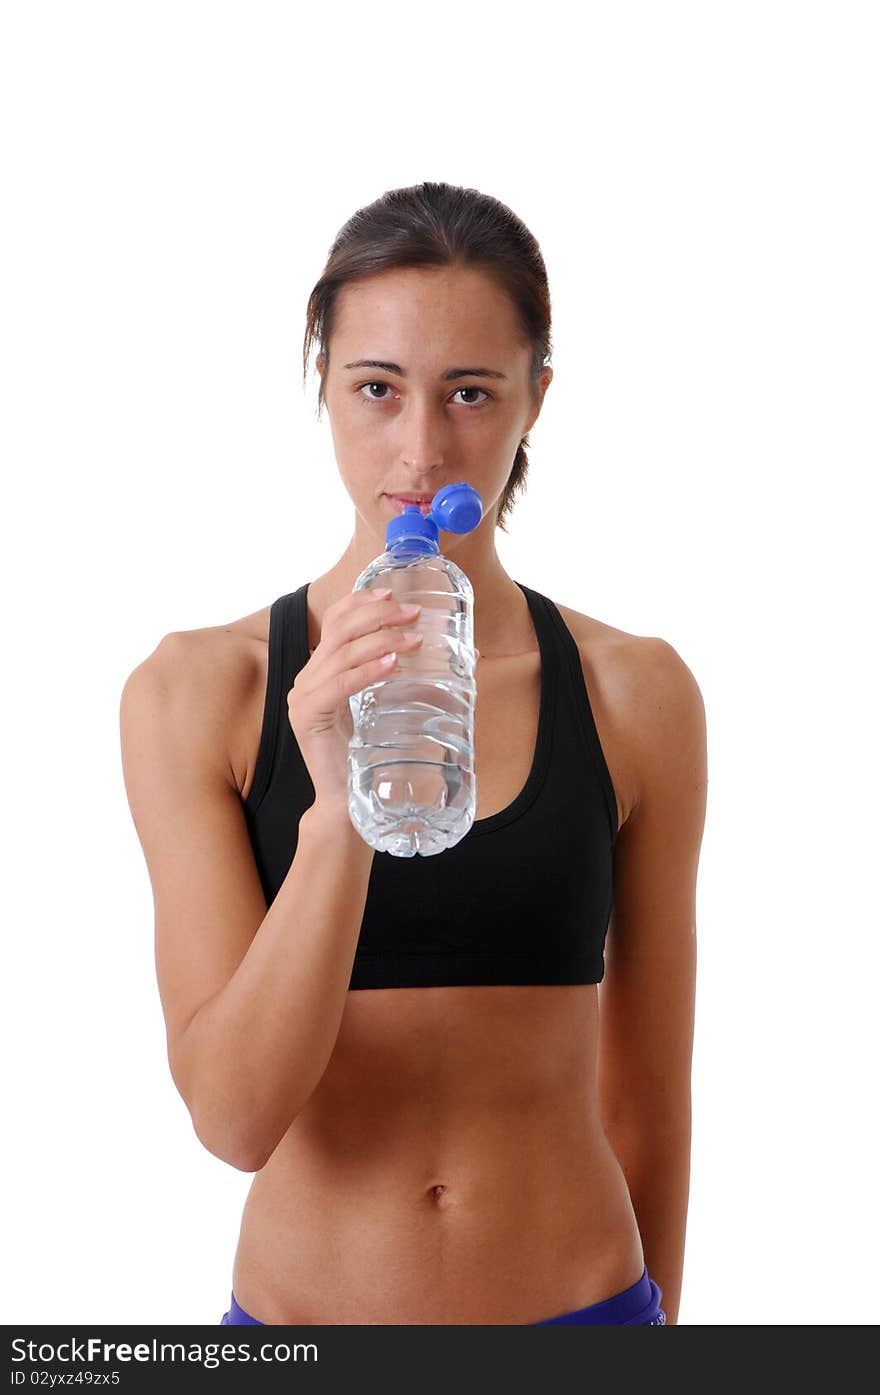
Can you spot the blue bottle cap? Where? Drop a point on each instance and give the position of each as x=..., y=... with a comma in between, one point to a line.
x=456, y=508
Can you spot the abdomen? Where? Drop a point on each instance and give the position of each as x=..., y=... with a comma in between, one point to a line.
x=450, y=1167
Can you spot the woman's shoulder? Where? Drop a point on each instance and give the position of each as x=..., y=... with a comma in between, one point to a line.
x=216, y=676
x=642, y=694
x=230, y=652
x=609, y=656
x=215, y=669
x=615, y=658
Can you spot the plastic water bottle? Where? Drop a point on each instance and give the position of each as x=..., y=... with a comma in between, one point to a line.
x=411, y=781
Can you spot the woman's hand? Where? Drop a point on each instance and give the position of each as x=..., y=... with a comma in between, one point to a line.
x=359, y=641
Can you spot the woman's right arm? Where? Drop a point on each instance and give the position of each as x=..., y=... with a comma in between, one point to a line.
x=253, y=998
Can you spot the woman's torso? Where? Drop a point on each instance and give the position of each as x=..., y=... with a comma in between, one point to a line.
x=450, y=1167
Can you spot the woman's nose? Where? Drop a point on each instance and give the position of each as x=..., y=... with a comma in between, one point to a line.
x=422, y=437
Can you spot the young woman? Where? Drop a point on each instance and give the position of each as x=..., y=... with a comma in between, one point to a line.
x=448, y=1122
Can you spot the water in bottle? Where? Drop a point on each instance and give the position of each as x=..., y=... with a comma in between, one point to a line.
x=411, y=781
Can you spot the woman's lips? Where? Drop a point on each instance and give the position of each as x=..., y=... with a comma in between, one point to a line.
x=401, y=500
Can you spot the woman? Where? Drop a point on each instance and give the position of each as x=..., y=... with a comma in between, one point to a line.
x=409, y=1052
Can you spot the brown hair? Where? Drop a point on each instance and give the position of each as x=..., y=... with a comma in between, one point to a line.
x=434, y=224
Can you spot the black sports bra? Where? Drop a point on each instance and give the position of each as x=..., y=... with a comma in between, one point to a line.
x=524, y=897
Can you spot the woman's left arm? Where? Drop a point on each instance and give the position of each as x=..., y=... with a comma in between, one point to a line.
x=646, y=999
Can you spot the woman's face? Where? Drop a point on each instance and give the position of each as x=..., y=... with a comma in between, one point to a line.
x=410, y=420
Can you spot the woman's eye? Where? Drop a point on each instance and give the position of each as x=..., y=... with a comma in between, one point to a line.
x=473, y=389
x=373, y=385
x=370, y=398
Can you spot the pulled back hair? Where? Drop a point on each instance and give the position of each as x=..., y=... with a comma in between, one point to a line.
x=435, y=224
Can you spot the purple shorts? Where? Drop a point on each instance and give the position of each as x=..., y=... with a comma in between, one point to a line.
x=636, y=1306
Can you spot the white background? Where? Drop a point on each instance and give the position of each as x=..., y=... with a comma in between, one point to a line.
x=702, y=179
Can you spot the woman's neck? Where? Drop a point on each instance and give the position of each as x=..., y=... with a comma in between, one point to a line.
x=502, y=621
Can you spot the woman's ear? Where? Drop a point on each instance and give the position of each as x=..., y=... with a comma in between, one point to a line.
x=544, y=382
